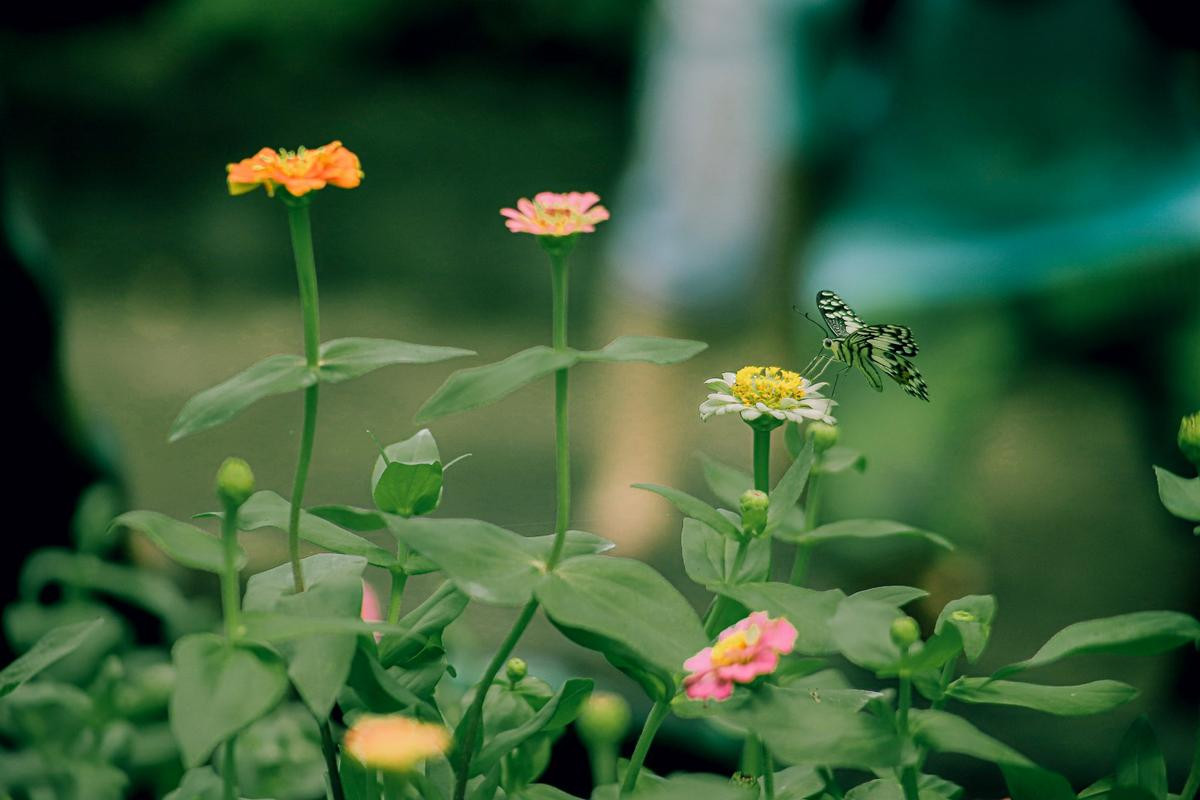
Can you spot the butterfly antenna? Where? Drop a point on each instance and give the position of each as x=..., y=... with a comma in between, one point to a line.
x=806, y=315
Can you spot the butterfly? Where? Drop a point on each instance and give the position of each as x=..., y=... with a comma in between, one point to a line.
x=871, y=348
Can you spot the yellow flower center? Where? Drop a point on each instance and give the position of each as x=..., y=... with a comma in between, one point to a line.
x=767, y=385
x=560, y=220
x=736, y=647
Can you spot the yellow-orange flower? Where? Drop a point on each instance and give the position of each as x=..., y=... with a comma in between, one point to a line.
x=299, y=171
x=394, y=743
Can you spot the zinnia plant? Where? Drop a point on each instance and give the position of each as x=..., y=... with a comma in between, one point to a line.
x=314, y=682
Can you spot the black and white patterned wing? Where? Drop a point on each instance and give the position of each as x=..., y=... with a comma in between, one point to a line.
x=840, y=318
x=902, y=371
x=892, y=338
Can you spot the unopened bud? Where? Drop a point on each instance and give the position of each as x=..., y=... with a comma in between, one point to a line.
x=744, y=781
x=516, y=669
x=1189, y=437
x=905, y=632
x=822, y=435
x=604, y=719
x=235, y=481
x=754, y=505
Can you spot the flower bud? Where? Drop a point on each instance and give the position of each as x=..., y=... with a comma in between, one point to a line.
x=754, y=505
x=822, y=435
x=1189, y=437
x=604, y=719
x=235, y=482
x=905, y=632
x=516, y=669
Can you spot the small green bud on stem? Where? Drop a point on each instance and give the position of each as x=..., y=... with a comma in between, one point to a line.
x=905, y=632
x=754, y=505
x=822, y=435
x=604, y=719
x=1189, y=437
x=235, y=482
x=516, y=669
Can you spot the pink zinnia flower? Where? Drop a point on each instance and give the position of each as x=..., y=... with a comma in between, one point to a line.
x=743, y=652
x=554, y=214
x=371, y=610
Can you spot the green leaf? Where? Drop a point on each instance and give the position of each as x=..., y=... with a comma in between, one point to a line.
x=862, y=633
x=708, y=557
x=420, y=448
x=692, y=787
x=541, y=791
x=888, y=789
x=725, y=482
x=891, y=595
x=797, y=783
x=839, y=459
x=1140, y=762
x=220, y=689
x=628, y=612
x=810, y=612
x=271, y=376
x=383, y=692
x=1067, y=701
x=481, y=386
x=268, y=510
x=182, y=543
x=654, y=349
x=787, y=492
x=199, y=784
x=352, y=518
x=317, y=663
x=695, y=508
x=801, y=731
x=409, y=490
x=947, y=733
x=1140, y=633
x=1035, y=783
x=972, y=616
x=343, y=359
x=54, y=645
x=557, y=713
x=423, y=628
x=1179, y=495
x=862, y=529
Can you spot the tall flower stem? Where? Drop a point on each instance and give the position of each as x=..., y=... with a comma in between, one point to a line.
x=658, y=712
x=329, y=749
x=306, y=276
x=1193, y=778
x=229, y=771
x=231, y=610
x=396, y=596
x=812, y=506
x=762, y=459
x=908, y=774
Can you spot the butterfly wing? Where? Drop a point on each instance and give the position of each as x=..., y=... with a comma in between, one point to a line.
x=840, y=318
x=871, y=374
x=892, y=338
x=902, y=371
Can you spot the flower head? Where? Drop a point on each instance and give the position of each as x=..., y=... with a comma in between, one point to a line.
x=299, y=171
x=771, y=391
x=743, y=652
x=394, y=743
x=554, y=214
x=1189, y=437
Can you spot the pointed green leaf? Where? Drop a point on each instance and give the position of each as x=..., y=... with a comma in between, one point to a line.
x=409, y=490
x=695, y=508
x=888, y=789
x=480, y=386
x=725, y=482
x=220, y=689
x=1067, y=701
x=839, y=459
x=420, y=448
x=787, y=492
x=947, y=733
x=352, y=518
x=897, y=596
x=1179, y=495
x=862, y=529
x=708, y=557
x=1140, y=762
x=381, y=691
x=182, y=543
x=654, y=349
x=54, y=645
x=1035, y=783
x=423, y=627
x=200, y=783
x=628, y=612
x=557, y=713
x=972, y=616
x=343, y=359
x=693, y=786
x=811, y=612
x=1140, y=633
x=862, y=633
x=272, y=376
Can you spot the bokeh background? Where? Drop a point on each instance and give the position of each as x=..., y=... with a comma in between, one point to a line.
x=1018, y=181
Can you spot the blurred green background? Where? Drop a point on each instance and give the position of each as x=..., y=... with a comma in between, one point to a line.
x=1018, y=182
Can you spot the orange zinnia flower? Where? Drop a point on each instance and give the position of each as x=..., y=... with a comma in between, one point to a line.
x=299, y=171
x=553, y=214
x=394, y=743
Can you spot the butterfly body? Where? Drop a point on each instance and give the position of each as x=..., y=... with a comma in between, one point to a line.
x=871, y=348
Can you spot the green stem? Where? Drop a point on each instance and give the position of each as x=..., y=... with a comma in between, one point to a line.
x=229, y=771
x=472, y=720
x=1193, y=778
x=812, y=504
x=395, y=599
x=768, y=771
x=831, y=785
x=394, y=784
x=908, y=774
x=762, y=460
x=306, y=276
x=562, y=454
x=331, y=763
x=658, y=712
x=603, y=760
x=230, y=592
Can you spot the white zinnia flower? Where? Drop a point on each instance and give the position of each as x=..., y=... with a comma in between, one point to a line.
x=754, y=392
